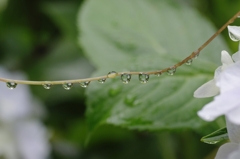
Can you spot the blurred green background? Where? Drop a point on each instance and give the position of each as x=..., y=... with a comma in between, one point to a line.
x=40, y=38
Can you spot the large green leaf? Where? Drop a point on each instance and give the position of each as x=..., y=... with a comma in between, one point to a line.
x=141, y=35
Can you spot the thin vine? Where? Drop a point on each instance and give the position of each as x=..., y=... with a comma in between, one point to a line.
x=125, y=76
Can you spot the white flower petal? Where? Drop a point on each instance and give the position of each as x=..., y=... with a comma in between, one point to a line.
x=236, y=56
x=234, y=155
x=221, y=104
x=225, y=150
x=14, y=104
x=226, y=58
x=233, y=131
x=233, y=115
x=8, y=148
x=217, y=74
x=22, y=138
x=230, y=78
x=234, y=33
x=208, y=89
x=32, y=140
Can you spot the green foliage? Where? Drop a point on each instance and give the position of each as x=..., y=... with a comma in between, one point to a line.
x=216, y=136
x=144, y=35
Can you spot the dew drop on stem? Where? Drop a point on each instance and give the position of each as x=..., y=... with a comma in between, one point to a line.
x=112, y=74
x=189, y=62
x=102, y=80
x=47, y=85
x=84, y=84
x=158, y=74
x=143, y=78
x=11, y=85
x=125, y=78
x=67, y=86
x=171, y=71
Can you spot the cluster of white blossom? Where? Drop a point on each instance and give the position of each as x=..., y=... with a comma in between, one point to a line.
x=226, y=88
x=22, y=135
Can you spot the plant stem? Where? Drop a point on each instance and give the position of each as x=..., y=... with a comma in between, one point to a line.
x=191, y=56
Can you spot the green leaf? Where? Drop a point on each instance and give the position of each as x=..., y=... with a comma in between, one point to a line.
x=3, y=4
x=144, y=35
x=216, y=136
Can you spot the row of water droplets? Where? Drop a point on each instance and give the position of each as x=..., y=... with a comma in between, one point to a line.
x=125, y=77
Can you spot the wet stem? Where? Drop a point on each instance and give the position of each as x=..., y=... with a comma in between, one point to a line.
x=12, y=83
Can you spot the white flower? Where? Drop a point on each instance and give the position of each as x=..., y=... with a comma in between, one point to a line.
x=21, y=133
x=234, y=33
x=210, y=89
x=230, y=150
x=226, y=82
x=227, y=103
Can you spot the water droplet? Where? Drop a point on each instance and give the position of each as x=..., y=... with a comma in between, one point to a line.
x=233, y=37
x=196, y=56
x=211, y=142
x=67, y=86
x=112, y=74
x=126, y=78
x=47, y=85
x=102, y=80
x=115, y=90
x=129, y=100
x=171, y=71
x=189, y=62
x=11, y=85
x=84, y=84
x=143, y=78
x=158, y=74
